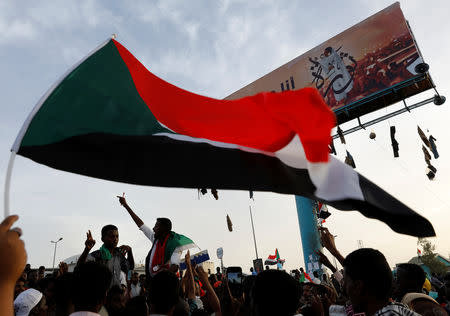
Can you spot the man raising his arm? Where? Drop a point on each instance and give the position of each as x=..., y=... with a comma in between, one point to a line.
x=167, y=245
x=109, y=254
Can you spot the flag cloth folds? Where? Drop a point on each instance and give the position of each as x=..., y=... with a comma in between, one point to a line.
x=109, y=117
x=272, y=259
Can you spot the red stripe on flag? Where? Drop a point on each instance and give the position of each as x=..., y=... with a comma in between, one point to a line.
x=266, y=121
x=308, y=277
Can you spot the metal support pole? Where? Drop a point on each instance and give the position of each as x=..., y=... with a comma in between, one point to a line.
x=253, y=229
x=307, y=220
x=385, y=117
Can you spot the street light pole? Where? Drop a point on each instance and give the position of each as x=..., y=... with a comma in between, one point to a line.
x=54, y=253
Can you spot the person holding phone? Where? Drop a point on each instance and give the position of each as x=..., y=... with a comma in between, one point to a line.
x=109, y=254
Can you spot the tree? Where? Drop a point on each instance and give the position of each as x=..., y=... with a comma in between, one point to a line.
x=429, y=258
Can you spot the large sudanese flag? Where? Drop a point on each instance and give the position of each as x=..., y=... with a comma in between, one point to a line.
x=109, y=117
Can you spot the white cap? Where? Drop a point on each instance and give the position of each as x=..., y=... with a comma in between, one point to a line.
x=25, y=302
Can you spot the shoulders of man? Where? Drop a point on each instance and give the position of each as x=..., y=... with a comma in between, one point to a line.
x=395, y=308
x=95, y=254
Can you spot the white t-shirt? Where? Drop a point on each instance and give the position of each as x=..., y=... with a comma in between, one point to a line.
x=135, y=290
x=148, y=232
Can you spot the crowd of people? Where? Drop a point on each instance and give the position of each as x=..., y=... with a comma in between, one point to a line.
x=104, y=283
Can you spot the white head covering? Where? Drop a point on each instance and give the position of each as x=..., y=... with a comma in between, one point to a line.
x=409, y=297
x=25, y=302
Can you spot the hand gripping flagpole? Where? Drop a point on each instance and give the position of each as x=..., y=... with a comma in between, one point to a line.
x=8, y=183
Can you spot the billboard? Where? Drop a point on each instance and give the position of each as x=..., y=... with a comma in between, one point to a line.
x=368, y=66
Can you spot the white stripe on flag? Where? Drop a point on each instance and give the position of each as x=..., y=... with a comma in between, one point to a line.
x=334, y=180
x=214, y=143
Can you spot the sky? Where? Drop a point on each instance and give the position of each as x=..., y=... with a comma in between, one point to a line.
x=212, y=48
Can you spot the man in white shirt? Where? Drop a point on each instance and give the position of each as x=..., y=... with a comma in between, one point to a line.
x=163, y=255
x=135, y=288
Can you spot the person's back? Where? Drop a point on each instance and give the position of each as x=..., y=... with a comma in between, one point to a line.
x=275, y=293
x=164, y=288
x=368, y=284
x=409, y=279
x=136, y=306
x=90, y=284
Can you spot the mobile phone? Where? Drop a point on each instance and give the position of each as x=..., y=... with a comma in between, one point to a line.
x=234, y=275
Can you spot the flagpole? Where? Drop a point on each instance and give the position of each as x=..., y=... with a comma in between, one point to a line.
x=253, y=229
x=8, y=183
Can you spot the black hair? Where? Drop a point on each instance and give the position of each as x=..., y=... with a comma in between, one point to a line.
x=91, y=281
x=63, y=287
x=247, y=286
x=115, y=290
x=414, y=274
x=284, y=301
x=181, y=308
x=108, y=228
x=114, y=305
x=447, y=276
x=41, y=268
x=199, y=312
x=45, y=282
x=164, y=288
x=370, y=266
x=316, y=274
x=21, y=280
x=165, y=222
x=136, y=306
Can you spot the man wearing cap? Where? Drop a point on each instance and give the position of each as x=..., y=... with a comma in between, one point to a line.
x=28, y=302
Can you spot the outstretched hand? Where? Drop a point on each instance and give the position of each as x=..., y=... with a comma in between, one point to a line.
x=90, y=242
x=327, y=239
x=63, y=268
x=187, y=259
x=122, y=200
x=202, y=275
